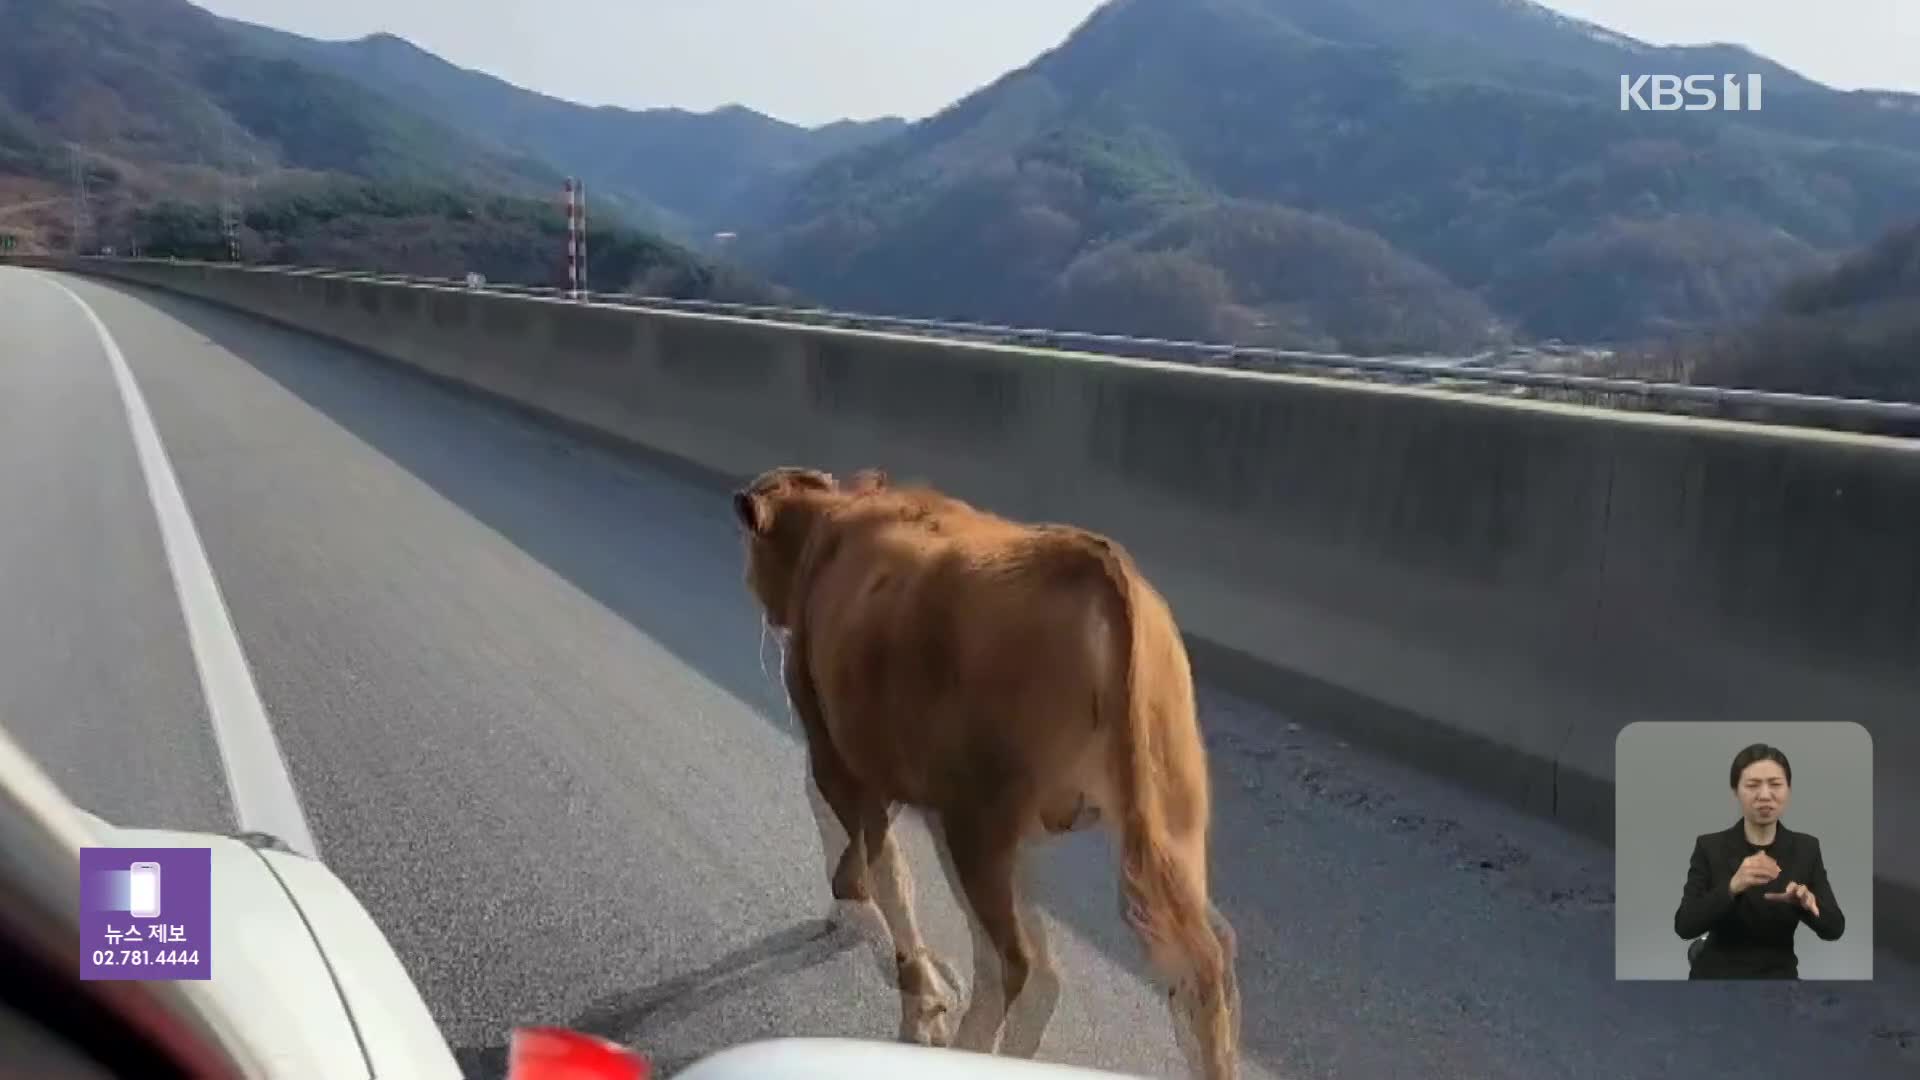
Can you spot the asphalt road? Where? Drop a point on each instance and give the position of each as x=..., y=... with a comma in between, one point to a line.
x=525, y=704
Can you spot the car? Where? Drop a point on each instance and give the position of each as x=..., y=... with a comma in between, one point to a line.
x=819, y=1058
x=304, y=985
x=560, y=1054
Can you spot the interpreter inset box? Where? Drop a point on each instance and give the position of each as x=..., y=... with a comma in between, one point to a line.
x=1743, y=851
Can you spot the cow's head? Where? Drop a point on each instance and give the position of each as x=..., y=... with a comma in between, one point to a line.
x=777, y=513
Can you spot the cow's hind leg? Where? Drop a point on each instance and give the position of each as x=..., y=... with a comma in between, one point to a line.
x=1010, y=974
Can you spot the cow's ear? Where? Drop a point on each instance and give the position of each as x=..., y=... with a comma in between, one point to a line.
x=867, y=480
x=751, y=509
x=809, y=480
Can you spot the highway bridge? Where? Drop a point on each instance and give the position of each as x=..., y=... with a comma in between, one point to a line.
x=479, y=638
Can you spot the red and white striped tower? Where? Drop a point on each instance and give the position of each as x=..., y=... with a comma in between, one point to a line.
x=576, y=237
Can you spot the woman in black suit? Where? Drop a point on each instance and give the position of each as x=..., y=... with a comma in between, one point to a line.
x=1751, y=886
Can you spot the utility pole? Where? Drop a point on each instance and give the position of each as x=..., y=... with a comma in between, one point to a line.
x=79, y=199
x=576, y=238
x=229, y=213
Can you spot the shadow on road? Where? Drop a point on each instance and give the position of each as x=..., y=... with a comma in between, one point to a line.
x=641, y=1018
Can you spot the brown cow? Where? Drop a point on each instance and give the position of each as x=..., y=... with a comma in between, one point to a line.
x=1009, y=681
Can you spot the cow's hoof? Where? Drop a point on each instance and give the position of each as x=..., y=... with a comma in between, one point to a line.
x=928, y=1003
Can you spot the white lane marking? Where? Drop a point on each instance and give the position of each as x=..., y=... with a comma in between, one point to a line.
x=257, y=778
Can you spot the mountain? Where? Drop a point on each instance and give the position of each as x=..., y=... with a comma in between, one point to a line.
x=165, y=110
x=1479, y=143
x=686, y=173
x=157, y=86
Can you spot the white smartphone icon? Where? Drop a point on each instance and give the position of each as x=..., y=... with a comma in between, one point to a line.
x=144, y=889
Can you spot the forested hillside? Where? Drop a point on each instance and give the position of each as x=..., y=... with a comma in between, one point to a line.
x=689, y=174
x=1478, y=144
x=1356, y=175
x=1850, y=331
x=164, y=112
x=437, y=232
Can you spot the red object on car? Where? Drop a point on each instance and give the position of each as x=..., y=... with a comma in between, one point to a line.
x=553, y=1053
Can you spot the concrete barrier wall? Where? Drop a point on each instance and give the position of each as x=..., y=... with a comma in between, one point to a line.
x=1494, y=587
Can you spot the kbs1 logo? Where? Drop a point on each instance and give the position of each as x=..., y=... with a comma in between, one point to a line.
x=1695, y=93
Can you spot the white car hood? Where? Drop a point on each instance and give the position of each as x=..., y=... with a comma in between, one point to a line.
x=300, y=967
x=863, y=1059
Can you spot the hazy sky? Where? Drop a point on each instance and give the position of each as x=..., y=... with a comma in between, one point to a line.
x=810, y=61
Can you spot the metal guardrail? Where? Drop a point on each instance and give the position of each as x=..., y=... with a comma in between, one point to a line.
x=1452, y=373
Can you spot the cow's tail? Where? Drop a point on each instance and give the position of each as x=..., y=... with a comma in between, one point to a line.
x=1160, y=787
